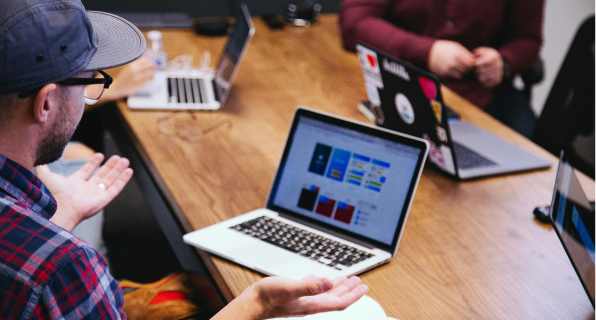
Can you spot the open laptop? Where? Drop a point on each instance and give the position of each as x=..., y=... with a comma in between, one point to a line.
x=408, y=99
x=572, y=217
x=198, y=89
x=337, y=206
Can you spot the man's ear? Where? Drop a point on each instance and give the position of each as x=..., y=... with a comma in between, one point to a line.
x=45, y=102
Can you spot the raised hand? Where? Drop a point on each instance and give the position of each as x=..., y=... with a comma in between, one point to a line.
x=83, y=193
x=130, y=79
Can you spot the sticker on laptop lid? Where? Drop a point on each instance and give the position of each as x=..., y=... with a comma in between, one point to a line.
x=404, y=108
x=373, y=94
x=430, y=90
x=442, y=134
x=437, y=108
x=369, y=63
x=441, y=156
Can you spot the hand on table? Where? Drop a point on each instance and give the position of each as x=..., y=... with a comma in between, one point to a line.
x=281, y=297
x=130, y=79
x=79, y=195
x=489, y=66
x=449, y=59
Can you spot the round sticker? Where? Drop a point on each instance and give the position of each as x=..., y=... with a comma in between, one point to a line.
x=404, y=108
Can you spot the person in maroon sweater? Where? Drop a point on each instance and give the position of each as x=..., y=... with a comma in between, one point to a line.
x=475, y=47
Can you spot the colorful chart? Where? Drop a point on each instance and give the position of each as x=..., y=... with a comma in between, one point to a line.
x=325, y=206
x=338, y=164
x=319, y=160
x=344, y=212
x=308, y=197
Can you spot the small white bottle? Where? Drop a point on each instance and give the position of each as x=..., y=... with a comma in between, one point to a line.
x=155, y=50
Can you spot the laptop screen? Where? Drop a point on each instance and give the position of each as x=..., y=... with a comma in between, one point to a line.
x=573, y=217
x=238, y=41
x=346, y=178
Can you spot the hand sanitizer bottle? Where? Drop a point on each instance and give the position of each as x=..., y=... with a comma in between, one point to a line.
x=155, y=50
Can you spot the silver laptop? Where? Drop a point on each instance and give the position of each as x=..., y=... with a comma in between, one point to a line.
x=337, y=206
x=408, y=99
x=198, y=89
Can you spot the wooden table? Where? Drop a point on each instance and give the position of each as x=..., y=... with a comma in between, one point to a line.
x=469, y=249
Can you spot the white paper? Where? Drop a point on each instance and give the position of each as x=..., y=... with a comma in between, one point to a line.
x=364, y=309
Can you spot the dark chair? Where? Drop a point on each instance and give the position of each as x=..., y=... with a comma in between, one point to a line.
x=567, y=120
x=532, y=76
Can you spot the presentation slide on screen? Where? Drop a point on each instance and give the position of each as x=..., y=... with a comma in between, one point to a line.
x=348, y=179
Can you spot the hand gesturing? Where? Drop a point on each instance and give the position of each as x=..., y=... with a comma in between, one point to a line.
x=83, y=194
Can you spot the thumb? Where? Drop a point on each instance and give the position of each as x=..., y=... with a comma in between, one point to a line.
x=312, y=287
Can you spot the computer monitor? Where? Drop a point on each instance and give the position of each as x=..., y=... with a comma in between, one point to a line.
x=572, y=216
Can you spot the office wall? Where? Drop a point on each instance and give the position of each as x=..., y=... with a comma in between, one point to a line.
x=200, y=8
x=562, y=19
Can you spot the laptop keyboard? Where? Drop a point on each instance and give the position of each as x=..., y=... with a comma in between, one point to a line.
x=186, y=90
x=468, y=159
x=313, y=246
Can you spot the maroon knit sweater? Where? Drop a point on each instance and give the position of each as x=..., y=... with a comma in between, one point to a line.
x=408, y=28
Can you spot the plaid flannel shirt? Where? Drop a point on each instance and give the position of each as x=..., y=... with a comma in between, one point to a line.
x=45, y=271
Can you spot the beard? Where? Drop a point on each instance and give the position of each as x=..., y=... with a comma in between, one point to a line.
x=52, y=146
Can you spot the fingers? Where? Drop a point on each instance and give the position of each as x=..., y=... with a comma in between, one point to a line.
x=115, y=172
x=119, y=183
x=87, y=170
x=311, y=287
x=326, y=303
x=346, y=286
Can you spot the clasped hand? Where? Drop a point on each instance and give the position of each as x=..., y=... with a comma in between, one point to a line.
x=449, y=59
x=79, y=196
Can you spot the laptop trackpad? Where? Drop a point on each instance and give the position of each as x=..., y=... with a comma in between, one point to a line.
x=262, y=255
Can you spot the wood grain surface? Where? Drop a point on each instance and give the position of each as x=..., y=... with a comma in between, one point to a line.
x=470, y=250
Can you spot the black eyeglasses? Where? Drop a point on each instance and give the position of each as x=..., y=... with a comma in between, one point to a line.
x=94, y=87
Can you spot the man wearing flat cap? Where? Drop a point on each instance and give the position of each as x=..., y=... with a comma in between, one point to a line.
x=49, y=53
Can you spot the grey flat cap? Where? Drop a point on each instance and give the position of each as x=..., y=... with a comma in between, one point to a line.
x=48, y=41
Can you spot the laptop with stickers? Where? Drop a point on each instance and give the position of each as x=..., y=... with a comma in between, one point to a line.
x=337, y=206
x=198, y=89
x=408, y=99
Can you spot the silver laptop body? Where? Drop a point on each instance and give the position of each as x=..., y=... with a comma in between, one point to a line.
x=194, y=89
x=408, y=99
x=337, y=206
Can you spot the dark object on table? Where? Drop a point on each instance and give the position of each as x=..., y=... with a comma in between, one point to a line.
x=302, y=14
x=542, y=214
x=274, y=21
x=212, y=26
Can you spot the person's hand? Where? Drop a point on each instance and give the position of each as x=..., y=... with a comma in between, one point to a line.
x=489, y=66
x=79, y=196
x=449, y=59
x=280, y=297
x=130, y=79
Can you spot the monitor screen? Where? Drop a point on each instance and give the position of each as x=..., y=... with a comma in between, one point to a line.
x=239, y=38
x=345, y=178
x=573, y=217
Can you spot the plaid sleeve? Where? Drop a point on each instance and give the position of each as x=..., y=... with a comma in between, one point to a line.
x=82, y=288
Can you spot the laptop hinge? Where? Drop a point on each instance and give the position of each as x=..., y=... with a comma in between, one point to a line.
x=331, y=232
